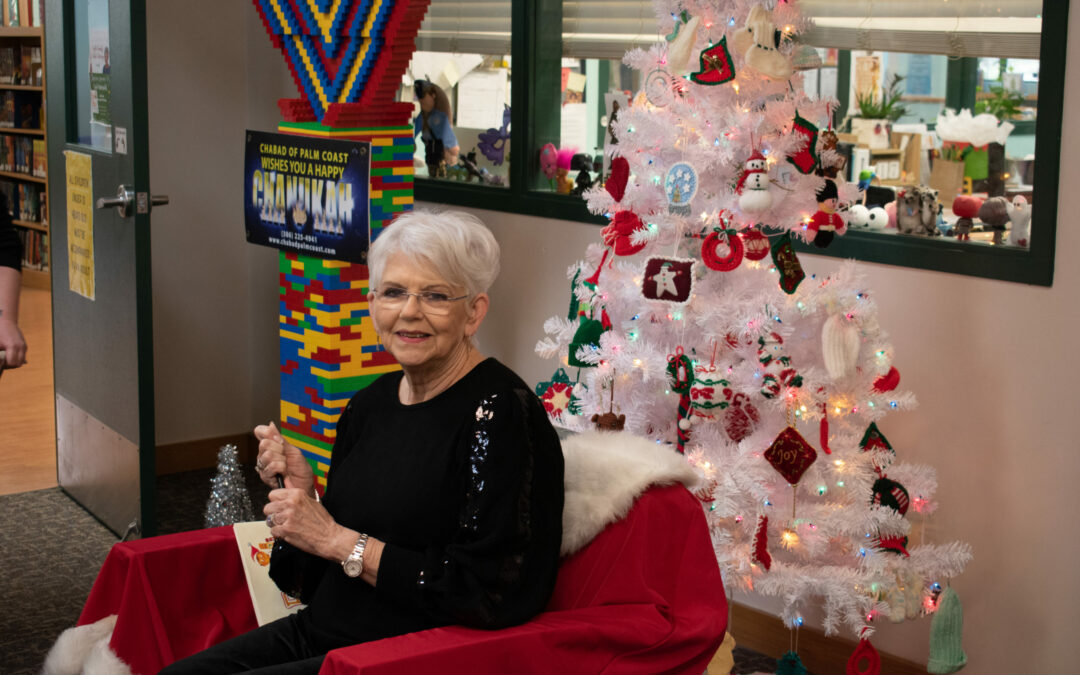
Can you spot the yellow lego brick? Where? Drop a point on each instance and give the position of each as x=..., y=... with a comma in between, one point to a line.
x=314, y=449
x=291, y=410
x=403, y=200
x=403, y=171
x=336, y=263
x=376, y=194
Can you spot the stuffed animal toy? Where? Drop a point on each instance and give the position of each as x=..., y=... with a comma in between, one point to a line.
x=1020, y=215
x=908, y=206
x=858, y=216
x=877, y=218
x=994, y=213
x=929, y=209
x=965, y=207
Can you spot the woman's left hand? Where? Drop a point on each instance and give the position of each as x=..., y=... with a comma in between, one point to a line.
x=295, y=517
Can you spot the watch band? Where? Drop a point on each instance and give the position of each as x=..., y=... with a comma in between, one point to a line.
x=354, y=564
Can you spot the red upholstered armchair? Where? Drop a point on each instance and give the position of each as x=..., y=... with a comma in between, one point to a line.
x=642, y=596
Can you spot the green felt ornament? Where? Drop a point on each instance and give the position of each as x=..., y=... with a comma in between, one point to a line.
x=587, y=335
x=790, y=664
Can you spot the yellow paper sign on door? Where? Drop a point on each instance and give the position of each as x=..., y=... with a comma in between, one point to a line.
x=80, y=223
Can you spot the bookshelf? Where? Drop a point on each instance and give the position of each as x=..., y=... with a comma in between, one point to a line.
x=23, y=148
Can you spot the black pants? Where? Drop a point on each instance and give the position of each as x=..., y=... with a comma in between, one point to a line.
x=279, y=648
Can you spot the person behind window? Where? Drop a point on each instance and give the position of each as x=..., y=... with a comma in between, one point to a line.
x=444, y=496
x=12, y=342
x=434, y=128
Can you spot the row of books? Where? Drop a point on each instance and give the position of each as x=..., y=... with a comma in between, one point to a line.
x=25, y=12
x=26, y=202
x=20, y=154
x=21, y=65
x=35, y=249
x=20, y=110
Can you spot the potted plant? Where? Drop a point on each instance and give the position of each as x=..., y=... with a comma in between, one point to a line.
x=876, y=113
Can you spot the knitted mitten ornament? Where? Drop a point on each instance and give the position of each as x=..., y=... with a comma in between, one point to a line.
x=946, y=629
x=790, y=664
x=864, y=653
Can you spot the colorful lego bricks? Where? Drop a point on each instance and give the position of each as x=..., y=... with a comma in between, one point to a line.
x=328, y=345
x=347, y=57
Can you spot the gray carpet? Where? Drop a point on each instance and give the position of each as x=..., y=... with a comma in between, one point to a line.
x=52, y=549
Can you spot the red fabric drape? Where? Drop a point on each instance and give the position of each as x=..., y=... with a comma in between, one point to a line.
x=645, y=596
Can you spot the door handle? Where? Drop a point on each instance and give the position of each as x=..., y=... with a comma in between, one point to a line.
x=125, y=199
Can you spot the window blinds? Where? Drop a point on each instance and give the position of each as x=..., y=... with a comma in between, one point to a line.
x=606, y=29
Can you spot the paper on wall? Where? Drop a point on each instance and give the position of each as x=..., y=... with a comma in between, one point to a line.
x=480, y=99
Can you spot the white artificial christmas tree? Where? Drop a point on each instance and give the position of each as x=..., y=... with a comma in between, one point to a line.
x=694, y=319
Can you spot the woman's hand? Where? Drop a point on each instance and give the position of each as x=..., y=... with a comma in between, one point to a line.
x=303, y=522
x=278, y=456
x=13, y=343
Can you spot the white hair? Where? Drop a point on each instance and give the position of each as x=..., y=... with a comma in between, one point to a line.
x=459, y=246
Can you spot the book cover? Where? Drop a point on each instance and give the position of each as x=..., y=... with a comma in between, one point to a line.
x=255, y=542
x=27, y=107
x=13, y=12
x=7, y=109
x=25, y=55
x=40, y=155
x=24, y=12
x=7, y=65
x=37, y=71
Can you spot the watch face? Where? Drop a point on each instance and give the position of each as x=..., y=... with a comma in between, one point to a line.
x=353, y=567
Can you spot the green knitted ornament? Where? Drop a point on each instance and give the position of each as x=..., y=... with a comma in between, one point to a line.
x=587, y=335
x=946, y=629
x=790, y=664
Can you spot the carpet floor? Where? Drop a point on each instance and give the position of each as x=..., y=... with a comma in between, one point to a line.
x=52, y=549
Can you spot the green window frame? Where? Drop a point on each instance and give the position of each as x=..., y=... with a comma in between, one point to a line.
x=536, y=51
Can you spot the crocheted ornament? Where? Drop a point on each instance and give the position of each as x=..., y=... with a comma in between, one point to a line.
x=587, y=334
x=680, y=186
x=619, y=233
x=892, y=494
x=806, y=158
x=946, y=630
x=787, y=264
x=741, y=418
x=761, y=544
x=864, y=652
x=669, y=280
x=557, y=394
x=682, y=42
x=722, y=253
x=790, y=455
x=790, y=664
x=756, y=244
x=776, y=364
x=715, y=65
x=708, y=392
x=616, y=182
x=840, y=345
x=681, y=370
x=609, y=421
x=888, y=381
x=873, y=440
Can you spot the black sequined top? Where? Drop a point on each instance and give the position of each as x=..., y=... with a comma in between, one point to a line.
x=466, y=489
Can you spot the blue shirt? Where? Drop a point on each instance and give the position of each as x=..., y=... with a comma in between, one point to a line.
x=439, y=124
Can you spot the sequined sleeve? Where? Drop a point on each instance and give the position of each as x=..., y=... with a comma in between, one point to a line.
x=500, y=568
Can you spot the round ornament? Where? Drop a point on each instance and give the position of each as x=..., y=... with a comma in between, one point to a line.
x=722, y=254
x=681, y=370
x=707, y=393
x=660, y=88
x=889, y=493
x=680, y=186
x=756, y=244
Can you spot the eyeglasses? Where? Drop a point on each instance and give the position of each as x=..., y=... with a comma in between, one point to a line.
x=431, y=302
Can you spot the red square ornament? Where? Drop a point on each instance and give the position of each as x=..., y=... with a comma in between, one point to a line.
x=790, y=455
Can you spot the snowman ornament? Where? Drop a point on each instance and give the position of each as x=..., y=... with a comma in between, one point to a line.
x=753, y=185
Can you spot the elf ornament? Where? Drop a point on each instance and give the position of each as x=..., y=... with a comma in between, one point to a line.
x=826, y=222
x=753, y=185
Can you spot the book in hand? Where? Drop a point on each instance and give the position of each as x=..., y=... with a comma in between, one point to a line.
x=255, y=541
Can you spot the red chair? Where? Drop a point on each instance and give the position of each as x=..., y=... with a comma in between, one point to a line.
x=645, y=596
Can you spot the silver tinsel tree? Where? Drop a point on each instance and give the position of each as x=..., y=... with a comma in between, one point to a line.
x=229, y=501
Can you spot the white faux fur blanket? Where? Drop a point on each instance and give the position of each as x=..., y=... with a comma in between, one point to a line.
x=606, y=471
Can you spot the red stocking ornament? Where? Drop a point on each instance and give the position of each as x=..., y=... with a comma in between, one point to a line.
x=761, y=543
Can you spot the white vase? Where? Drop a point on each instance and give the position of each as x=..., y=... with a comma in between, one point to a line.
x=873, y=133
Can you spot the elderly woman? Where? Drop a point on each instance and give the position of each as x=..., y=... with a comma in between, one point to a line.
x=444, y=496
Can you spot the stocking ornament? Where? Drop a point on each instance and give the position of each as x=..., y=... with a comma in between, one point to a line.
x=761, y=543
x=787, y=264
x=806, y=158
x=716, y=66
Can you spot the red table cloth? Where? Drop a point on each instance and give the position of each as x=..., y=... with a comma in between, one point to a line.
x=645, y=596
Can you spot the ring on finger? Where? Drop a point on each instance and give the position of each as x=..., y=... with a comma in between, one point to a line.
x=259, y=466
x=270, y=522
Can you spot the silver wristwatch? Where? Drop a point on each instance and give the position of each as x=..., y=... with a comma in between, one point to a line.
x=354, y=564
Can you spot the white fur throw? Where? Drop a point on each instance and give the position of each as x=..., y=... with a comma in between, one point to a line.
x=606, y=471
x=84, y=650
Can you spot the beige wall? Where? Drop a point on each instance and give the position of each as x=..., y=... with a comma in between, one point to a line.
x=215, y=297
x=995, y=417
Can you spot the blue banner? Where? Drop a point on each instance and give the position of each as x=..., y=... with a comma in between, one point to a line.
x=307, y=195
